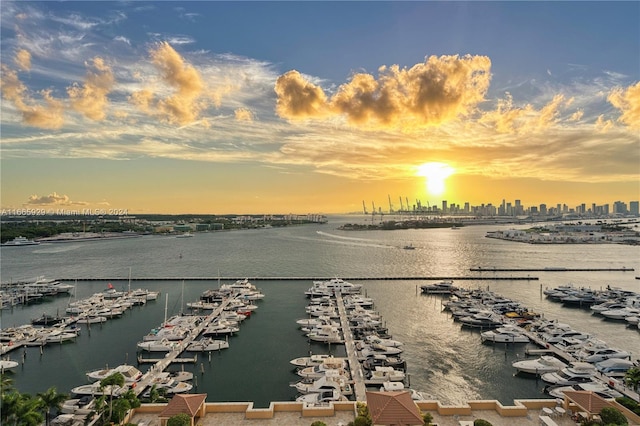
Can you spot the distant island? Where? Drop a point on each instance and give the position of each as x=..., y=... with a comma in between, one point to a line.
x=90, y=228
x=404, y=224
x=571, y=234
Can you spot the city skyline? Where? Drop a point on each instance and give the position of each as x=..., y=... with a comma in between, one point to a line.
x=253, y=107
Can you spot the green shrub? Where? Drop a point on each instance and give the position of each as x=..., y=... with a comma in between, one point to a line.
x=481, y=422
x=427, y=418
x=179, y=420
x=318, y=423
x=611, y=415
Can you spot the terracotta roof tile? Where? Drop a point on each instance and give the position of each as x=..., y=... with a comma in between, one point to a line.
x=188, y=404
x=393, y=408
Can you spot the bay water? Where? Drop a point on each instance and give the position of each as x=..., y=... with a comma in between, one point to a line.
x=444, y=360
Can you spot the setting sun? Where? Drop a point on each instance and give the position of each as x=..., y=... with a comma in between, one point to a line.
x=436, y=174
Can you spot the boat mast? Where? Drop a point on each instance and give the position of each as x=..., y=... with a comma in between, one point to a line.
x=166, y=306
x=129, y=280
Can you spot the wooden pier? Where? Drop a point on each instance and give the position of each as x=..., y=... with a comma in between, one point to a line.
x=174, y=356
x=549, y=269
x=357, y=375
x=396, y=278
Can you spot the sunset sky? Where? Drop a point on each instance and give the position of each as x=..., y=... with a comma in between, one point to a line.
x=313, y=107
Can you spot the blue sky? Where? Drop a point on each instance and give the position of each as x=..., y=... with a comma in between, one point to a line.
x=264, y=101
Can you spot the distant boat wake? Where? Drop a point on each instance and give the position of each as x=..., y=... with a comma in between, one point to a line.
x=352, y=241
x=59, y=248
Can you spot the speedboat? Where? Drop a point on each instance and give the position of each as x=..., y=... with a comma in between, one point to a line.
x=577, y=372
x=598, y=388
x=207, y=344
x=384, y=374
x=131, y=374
x=370, y=350
x=551, y=337
x=620, y=314
x=544, y=364
x=485, y=319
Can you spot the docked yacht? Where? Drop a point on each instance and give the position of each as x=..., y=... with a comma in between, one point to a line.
x=326, y=334
x=598, y=355
x=442, y=287
x=598, y=388
x=369, y=350
x=373, y=339
x=384, y=374
x=207, y=344
x=131, y=374
x=505, y=334
x=577, y=372
x=615, y=367
x=322, y=397
x=333, y=286
x=317, y=371
x=400, y=387
x=163, y=345
x=544, y=364
x=331, y=380
x=308, y=361
x=7, y=364
x=97, y=389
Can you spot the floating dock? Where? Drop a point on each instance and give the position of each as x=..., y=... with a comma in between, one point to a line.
x=359, y=388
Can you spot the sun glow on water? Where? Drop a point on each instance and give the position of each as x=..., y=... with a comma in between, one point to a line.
x=436, y=174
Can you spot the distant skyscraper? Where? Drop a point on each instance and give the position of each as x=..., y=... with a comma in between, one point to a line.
x=634, y=208
x=543, y=209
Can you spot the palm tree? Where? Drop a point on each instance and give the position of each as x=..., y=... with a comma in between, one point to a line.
x=632, y=378
x=21, y=409
x=52, y=400
x=116, y=379
x=6, y=384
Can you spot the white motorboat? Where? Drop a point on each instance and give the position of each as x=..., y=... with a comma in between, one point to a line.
x=367, y=351
x=83, y=405
x=442, y=287
x=221, y=328
x=131, y=374
x=372, y=339
x=326, y=334
x=207, y=344
x=504, y=335
x=632, y=320
x=317, y=371
x=484, y=319
x=308, y=361
x=602, y=354
x=7, y=364
x=309, y=323
x=59, y=336
x=96, y=389
x=170, y=385
x=163, y=345
x=331, y=380
x=400, y=387
x=620, y=314
x=577, y=372
x=333, y=286
x=91, y=319
x=384, y=374
x=20, y=241
x=551, y=337
x=544, y=364
x=615, y=367
x=596, y=387
x=322, y=398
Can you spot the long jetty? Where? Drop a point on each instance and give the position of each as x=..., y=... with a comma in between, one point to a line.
x=357, y=376
x=396, y=278
x=154, y=372
x=549, y=269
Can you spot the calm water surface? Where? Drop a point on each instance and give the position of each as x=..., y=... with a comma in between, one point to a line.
x=443, y=359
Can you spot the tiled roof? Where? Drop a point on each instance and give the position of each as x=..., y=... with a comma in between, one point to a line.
x=187, y=404
x=393, y=408
x=588, y=401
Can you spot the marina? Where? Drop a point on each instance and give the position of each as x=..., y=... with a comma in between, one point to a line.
x=439, y=357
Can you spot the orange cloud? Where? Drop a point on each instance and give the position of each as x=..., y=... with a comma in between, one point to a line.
x=91, y=98
x=23, y=59
x=437, y=91
x=507, y=118
x=243, y=114
x=183, y=106
x=628, y=102
x=299, y=99
x=49, y=199
x=47, y=116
